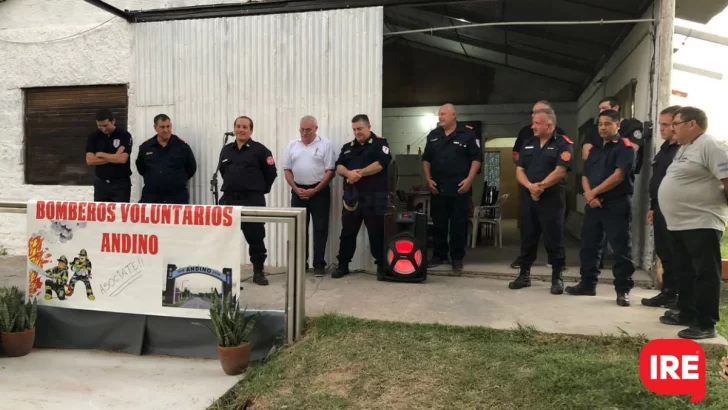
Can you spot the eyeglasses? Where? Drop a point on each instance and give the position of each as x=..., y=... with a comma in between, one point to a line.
x=675, y=124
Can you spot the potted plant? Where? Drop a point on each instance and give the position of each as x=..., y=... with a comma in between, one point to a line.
x=17, y=322
x=232, y=328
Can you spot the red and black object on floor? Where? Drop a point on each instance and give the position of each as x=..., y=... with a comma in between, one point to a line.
x=405, y=249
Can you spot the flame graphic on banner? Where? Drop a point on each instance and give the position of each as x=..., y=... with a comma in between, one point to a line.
x=39, y=257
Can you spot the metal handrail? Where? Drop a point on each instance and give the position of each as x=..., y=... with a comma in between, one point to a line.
x=295, y=218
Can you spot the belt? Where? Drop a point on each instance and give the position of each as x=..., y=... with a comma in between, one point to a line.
x=308, y=186
x=110, y=181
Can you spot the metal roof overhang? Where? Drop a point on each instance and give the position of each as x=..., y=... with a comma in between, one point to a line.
x=699, y=11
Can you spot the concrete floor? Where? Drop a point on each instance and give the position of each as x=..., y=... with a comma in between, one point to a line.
x=91, y=380
x=95, y=380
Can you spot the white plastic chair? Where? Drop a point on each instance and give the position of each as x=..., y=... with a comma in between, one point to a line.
x=488, y=215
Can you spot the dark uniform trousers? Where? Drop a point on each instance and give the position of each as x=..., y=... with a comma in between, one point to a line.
x=665, y=251
x=112, y=190
x=254, y=232
x=371, y=210
x=318, y=208
x=613, y=219
x=698, y=266
x=545, y=216
x=150, y=197
x=449, y=218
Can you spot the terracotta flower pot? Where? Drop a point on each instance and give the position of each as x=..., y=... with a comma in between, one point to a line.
x=234, y=360
x=724, y=268
x=17, y=344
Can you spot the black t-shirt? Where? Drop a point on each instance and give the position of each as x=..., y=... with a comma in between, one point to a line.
x=99, y=142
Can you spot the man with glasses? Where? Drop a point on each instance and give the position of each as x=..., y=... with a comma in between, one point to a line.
x=308, y=166
x=668, y=294
x=692, y=197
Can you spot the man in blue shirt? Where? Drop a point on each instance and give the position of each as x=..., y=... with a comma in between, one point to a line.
x=524, y=135
x=608, y=183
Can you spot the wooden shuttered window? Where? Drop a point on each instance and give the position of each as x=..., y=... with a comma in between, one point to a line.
x=58, y=121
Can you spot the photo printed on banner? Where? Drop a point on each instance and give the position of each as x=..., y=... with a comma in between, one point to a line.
x=191, y=285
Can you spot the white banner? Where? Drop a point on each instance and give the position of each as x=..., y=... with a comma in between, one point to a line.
x=148, y=259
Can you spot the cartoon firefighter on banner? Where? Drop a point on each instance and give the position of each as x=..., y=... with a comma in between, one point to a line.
x=81, y=267
x=57, y=278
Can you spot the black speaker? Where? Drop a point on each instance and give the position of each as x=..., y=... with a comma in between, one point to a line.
x=405, y=249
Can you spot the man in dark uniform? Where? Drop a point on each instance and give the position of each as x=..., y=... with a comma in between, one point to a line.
x=450, y=162
x=363, y=163
x=166, y=162
x=542, y=167
x=248, y=171
x=109, y=149
x=663, y=243
x=608, y=183
x=525, y=134
x=631, y=129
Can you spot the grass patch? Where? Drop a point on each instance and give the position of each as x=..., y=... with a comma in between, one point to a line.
x=722, y=326
x=349, y=363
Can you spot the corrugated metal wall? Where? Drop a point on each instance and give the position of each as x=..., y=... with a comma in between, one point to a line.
x=273, y=68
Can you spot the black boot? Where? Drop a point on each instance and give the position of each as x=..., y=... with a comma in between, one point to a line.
x=666, y=298
x=522, y=281
x=259, y=278
x=557, y=282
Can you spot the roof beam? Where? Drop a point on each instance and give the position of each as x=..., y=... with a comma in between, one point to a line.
x=268, y=7
x=494, y=57
x=488, y=63
x=603, y=7
x=690, y=31
x=697, y=71
x=504, y=49
x=110, y=9
x=532, y=31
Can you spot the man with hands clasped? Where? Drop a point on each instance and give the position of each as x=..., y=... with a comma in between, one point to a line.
x=608, y=184
x=450, y=162
x=543, y=163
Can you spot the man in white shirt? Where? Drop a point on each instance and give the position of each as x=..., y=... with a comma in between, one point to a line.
x=692, y=198
x=309, y=165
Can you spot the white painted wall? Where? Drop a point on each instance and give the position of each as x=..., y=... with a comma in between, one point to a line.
x=29, y=58
x=402, y=126
x=246, y=65
x=631, y=61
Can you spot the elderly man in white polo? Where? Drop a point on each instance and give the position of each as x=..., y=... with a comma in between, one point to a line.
x=693, y=200
x=309, y=164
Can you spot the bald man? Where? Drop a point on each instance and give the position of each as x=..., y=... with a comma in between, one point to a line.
x=450, y=162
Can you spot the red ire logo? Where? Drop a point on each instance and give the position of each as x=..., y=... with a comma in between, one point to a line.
x=674, y=367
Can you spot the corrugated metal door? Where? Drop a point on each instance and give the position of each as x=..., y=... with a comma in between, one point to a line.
x=273, y=68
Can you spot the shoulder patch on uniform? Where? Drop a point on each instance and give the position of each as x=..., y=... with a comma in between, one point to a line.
x=565, y=155
x=627, y=142
x=270, y=160
x=637, y=134
x=567, y=139
x=385, y=149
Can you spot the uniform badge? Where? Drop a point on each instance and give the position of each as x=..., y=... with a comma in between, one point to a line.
x=270, y=160
x=565, y=156
x=637, y=135
x=477, y=142
x=117, y=143
x=385, y=149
